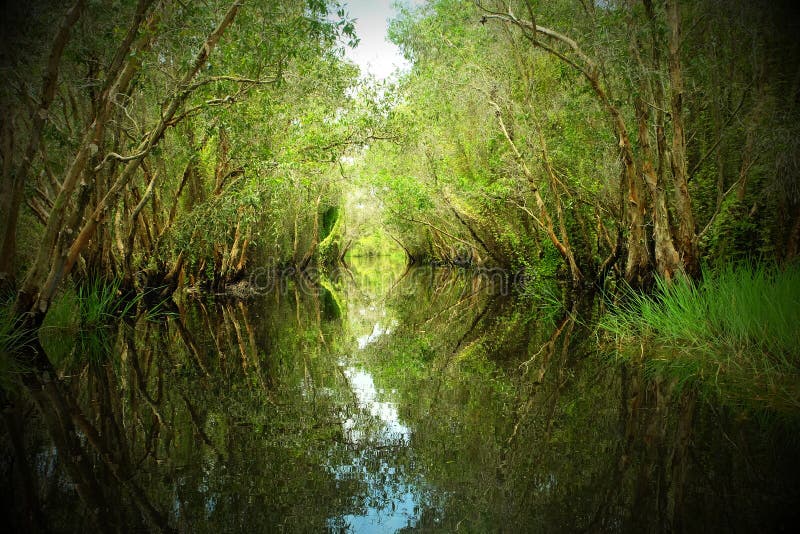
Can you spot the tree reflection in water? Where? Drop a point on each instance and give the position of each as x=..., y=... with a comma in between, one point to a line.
x=417, y=399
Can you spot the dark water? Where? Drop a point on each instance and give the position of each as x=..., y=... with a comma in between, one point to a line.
x=381, y=400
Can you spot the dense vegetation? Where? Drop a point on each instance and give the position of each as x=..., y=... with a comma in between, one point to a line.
x=632, y=162
x=734, y=334
x=165, y=144
x=588, y=137
x=156, y=146
x=156, y=142
x=616, y=146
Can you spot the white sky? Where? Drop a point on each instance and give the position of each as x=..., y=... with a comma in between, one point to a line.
x=374, y=54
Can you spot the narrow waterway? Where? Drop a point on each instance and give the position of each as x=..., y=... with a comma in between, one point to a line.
x=384, y=399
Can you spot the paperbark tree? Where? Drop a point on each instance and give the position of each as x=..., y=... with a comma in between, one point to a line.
x=674, y=253
x=638, y=268
x=67, y=234
x=686, y=238
x=16, y=174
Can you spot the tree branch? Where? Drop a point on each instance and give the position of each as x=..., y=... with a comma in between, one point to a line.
x=719, y=140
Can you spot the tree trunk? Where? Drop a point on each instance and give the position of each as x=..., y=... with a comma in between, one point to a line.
x=638, y=265
x=14, y=180
x=9, y=203
x=686, y=231
x=638, y=269
x=59, y=251
x=546, y=221
x=667, y=259
x=62, y=221
x=577, y=275
x=793, y=239
x=309, y=255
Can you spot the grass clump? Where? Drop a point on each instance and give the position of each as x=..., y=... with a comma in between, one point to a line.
x=11, y=337
x=78, y=321
x=736, y=334
x=101, y=302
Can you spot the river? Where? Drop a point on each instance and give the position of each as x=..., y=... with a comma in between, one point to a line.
x=384, y=399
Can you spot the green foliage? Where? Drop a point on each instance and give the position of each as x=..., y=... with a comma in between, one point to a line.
x=100, y=302
x=454, y=159
x=330, y=217
x=78, y=323
x=11, y=338
x=376, y=244
x=61, y=326
x=245, y=151
x=734, y=334
x=331, y=235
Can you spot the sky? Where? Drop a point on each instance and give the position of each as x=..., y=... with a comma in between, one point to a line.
x=374, y=54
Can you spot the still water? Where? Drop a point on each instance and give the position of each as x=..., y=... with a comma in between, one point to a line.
x=381, y=399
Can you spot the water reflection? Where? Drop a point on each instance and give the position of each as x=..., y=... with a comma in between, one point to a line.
x=383, y=401
x=391, y=432
x=391, y=503
x=377, y=331
x=374, y=427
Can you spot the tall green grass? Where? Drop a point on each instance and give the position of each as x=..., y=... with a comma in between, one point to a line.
x=736, y=334
x=78, y=326
x=77, y=323
x=11, y=337
x=101, y=302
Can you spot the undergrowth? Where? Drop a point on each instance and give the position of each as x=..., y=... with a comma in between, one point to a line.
x=735, y=334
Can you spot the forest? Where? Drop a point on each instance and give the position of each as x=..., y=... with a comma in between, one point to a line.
x=558, y=206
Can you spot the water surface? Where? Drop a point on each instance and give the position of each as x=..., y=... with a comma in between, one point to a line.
x=384, y=399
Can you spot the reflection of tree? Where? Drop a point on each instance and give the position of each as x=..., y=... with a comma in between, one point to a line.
x=90, y=444
x=192, y=426
x=517, y=422
x=229, y=415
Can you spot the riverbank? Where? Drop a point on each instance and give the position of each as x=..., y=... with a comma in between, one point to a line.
x=734, y=335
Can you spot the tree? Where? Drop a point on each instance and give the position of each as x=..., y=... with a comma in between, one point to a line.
x=140, y=91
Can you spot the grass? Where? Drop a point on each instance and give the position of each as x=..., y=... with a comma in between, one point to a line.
x=77, y=326
x=77, y=323
x=11, y=336
x=736, y=334
x=101, y=302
